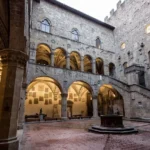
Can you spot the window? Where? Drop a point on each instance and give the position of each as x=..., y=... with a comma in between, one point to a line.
x=98, y=43
x=149, y=56
x=123, y=46
x=125, y=65
x=148, y=29
x=45, y=26
x=75, y=35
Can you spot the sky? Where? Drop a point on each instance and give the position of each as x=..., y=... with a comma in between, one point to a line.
x=96, y=8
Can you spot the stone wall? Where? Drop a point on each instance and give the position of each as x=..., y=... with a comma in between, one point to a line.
x=130, y=20
x=62, y=22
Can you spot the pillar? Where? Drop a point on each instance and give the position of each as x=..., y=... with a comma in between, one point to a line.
x=21, y=107
x=82, y=63
x=52, y=59
x=95, y=106
x=93, y=66
x=64, y=106
x=13, y=63
x=68, y=61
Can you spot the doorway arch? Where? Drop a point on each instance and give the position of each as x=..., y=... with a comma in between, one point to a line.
x=80, y=98
x=45, y=93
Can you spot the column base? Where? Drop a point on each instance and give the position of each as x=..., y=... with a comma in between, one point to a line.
x=64, y=118
x=20, y=126
x=95, y=117
x=9, y=144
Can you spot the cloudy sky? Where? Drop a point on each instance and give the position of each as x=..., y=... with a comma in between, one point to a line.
x=97, y=8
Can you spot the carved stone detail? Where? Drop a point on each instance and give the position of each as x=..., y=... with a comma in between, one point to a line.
x=13, y=56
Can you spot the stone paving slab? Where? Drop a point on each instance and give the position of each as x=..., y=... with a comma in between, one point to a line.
x=60, y=136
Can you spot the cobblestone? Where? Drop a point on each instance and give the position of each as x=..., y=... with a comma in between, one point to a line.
x=54, y=136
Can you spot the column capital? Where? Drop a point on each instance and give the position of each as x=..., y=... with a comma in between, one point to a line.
x=11, y=56
x=64, y=94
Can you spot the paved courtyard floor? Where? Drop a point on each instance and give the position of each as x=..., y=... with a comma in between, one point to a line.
x=73, y=135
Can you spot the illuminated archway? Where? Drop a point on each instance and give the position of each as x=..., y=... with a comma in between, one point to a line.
x=87, y=63
x=79, y=100
x=45, y=93
x=99, y=66
x=43, y=54
x=60, y=58
x=110, y=101
x=75, y=61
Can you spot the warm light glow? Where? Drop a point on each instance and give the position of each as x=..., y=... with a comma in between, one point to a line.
x=80, y=97
x=123, y=46
x=148, y=29
x=0, y=70
x=43, y=93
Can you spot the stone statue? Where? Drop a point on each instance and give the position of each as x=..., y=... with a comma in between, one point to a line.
x=41, y=111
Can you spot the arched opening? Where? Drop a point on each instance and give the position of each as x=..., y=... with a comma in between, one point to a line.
x=110, y=101
x=99, y=66
x=87, y=63
x=45, y=26
x=112, y=70
x=60, y=58
x=75, y=34
x=43, y=54
x=79, y=100
x=75, y=61
x=43, y=93
x=98, y=43
x=125, y=65
x=149, y=56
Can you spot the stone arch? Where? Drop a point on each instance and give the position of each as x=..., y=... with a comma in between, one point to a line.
x=43, y=52
x=80, y=94
x=47, y=78
x=110, y=100
x=98, y=42
x=112, y=69
x=60, y=57
x=75, y=61
x=99, y=66
x=46, y=25
x=45, y=93
x=88, y=63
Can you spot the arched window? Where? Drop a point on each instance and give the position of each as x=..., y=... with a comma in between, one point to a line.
x=75, y=35
x=98, y=43
x=45, y=26
x=112, y=70
x=125, y=65
x=43, y=54
x=149, y=56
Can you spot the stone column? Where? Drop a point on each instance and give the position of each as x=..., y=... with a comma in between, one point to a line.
x=95, y=106
x=52, y=59
x=82, y=63
x=64, y=106
x=68, y=61
x=13, y=63
x=93, y=66
x=21, y=107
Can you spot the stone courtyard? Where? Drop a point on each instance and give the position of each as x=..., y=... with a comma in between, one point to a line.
x=73, y=135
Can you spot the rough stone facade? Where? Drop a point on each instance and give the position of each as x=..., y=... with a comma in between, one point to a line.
x=130, y=21
x=129, y=29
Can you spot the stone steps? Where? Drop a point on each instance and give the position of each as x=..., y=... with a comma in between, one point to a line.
x=106, y=130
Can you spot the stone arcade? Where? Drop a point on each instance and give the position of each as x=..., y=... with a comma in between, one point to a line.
x=70, y=64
